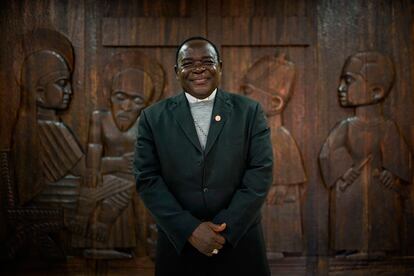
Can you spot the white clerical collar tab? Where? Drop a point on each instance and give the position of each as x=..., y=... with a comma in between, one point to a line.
x=192, y=99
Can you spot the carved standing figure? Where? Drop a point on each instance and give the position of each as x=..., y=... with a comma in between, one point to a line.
x=45, y=81
x=120, y=220
x=270, y=82
x=47, y=155
x=365, y=163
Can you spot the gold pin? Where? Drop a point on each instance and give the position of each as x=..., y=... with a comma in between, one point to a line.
x=217, y=118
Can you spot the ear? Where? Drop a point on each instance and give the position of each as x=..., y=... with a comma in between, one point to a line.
x=377, y=93
x=40, y=95
x=176, y=71
x=280, y=103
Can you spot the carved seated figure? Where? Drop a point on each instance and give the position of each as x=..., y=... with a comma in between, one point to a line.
x=270, y=81
x=110, y=193
x=365, y=163
x=113, y=136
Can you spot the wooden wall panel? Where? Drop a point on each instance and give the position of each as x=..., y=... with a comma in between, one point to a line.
x=316, y=36
x=343, y=31
x=159, y=26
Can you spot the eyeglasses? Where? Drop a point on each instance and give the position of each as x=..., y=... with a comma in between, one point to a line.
x=190, y=64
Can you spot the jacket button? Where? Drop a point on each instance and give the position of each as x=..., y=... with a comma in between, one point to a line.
x=205, y=190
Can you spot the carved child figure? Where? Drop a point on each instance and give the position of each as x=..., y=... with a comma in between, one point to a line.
x=365, y=163
x=270, y=81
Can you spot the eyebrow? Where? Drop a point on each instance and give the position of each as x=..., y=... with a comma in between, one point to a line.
x=204, y=57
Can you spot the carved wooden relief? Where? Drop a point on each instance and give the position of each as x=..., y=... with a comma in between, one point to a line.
x=65, y=186
x=365, y=164
x=109, y=214
x=45, y=151
x=270, y=81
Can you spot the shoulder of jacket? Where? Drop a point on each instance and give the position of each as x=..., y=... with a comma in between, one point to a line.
x=161, y=105
x=240, y=100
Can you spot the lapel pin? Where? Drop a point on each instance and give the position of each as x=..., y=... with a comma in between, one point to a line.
x=217, y=118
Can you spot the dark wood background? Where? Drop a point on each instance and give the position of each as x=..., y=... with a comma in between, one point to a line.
x=317, y=36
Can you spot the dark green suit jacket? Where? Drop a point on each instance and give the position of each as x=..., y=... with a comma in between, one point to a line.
x=182, y=185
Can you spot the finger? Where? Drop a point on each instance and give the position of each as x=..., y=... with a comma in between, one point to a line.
x=389, y=178
x=217, y=246
x=269, y=199
x=219, y=239
x=216, y=227
x=213, y=246
x=223, y=226
x=355, y=174
x=389, y=183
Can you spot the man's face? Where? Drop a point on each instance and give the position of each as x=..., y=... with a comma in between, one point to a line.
x=198, y=69
x=353, y=89
x=127, y=98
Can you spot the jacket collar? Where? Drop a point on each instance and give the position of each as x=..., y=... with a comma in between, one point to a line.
x=219, y=116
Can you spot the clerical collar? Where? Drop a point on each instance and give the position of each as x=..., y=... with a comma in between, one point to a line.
x=192, y=99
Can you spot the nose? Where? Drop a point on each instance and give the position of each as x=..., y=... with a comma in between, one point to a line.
x=68, y=89
x=126, y=105
x=198, y=67
x=342, y=86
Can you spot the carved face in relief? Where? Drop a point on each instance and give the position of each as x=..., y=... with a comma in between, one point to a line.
x=128, y=96
x=269, y=81
x=51, y=82
x=272, y=103
x=198, y=69
x=366, y=79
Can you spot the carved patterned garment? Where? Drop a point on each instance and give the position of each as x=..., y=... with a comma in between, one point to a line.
x=60, y=151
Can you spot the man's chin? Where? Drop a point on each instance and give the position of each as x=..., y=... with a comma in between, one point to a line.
x=201, y=93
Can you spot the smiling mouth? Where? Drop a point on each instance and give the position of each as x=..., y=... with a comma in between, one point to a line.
x=200, y=81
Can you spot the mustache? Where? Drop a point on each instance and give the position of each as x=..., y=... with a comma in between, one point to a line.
x=123, y=114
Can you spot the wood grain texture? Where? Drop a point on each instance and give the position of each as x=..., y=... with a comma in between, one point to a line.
x=317, y=36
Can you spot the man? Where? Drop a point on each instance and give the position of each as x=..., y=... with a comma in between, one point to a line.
x=203, y=166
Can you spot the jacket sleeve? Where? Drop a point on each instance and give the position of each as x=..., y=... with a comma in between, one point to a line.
x=177, y=223
x=245, y=206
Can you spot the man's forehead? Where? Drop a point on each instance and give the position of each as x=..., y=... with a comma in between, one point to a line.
x=196, y=46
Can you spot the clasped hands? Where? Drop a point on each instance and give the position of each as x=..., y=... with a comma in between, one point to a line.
x=206, y=238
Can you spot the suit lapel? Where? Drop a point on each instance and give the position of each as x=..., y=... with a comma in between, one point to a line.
x=182, y=114
x=219, y=116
